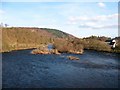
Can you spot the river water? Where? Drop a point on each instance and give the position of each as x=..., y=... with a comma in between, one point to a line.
x=21, y=69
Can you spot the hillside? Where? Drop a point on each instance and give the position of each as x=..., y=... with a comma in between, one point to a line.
x=58, y=33
x=23, y=37
x=14, y=38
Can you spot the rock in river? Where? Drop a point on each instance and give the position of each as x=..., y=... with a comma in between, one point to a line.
x=73, y=58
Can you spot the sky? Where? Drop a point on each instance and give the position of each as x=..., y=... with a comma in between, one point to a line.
x=81, y=19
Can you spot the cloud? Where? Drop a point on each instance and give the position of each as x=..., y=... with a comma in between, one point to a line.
x=1, y=12
x=105, y=17
x=101, y=5
x=98, y=26
x=97, y=22
x=99, y=18
x=75, y=19
x=1, y=15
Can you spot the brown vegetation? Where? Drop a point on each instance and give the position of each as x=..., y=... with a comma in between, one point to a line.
x=68, y=46
x=44, y=50
x=16, y=38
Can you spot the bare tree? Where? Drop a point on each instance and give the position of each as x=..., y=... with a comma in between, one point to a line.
x=6, y=25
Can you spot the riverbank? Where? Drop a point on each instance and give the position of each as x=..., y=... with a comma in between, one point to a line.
x=31, y=46
x=53, y=49
x=112, y=51
x=17, y=50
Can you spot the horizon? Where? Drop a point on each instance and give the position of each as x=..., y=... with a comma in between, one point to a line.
x=72, y=18
x=62, y=31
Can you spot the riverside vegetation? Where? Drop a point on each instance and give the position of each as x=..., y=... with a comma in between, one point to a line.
x=15, y=38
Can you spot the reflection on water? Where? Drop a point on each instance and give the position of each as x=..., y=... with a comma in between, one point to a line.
x=94, y=69
x=50, y=46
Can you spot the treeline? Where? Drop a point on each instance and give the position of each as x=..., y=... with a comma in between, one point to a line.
x=57, y=33
x=91, y=43
x=101, y=44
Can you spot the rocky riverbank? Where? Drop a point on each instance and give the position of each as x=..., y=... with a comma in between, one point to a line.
x=45, y=50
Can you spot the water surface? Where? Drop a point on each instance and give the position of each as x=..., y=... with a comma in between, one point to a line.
x=94, y=70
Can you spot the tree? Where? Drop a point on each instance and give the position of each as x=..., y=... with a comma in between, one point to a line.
x=6, y=25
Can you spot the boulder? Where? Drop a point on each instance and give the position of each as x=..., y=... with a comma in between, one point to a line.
x=55, y=51
x=45, y=51
x=73, y=58
x=79, y=52
x=76, y=52
x=37, y=51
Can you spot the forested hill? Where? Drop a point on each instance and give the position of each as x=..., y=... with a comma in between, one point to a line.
x=14, y=38
x=58, y=33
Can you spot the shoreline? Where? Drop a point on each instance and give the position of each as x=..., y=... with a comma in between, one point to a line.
x=104, y=51
x=17, y=50
x=36, y=48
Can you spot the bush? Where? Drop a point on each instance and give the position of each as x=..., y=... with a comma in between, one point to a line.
x=67, y=46
x=97, y=45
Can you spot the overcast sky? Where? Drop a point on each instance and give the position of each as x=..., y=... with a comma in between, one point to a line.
x=81, y=19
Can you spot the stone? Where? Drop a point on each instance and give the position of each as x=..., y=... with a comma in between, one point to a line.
x=73, y=58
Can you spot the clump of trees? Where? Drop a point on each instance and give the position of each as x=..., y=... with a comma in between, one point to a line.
x=100, y=38
x=96, y=45
x=92, y=43
x=61, y=45
x=68, y=46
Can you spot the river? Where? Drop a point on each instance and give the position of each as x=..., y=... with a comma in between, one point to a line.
x=21, y=69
